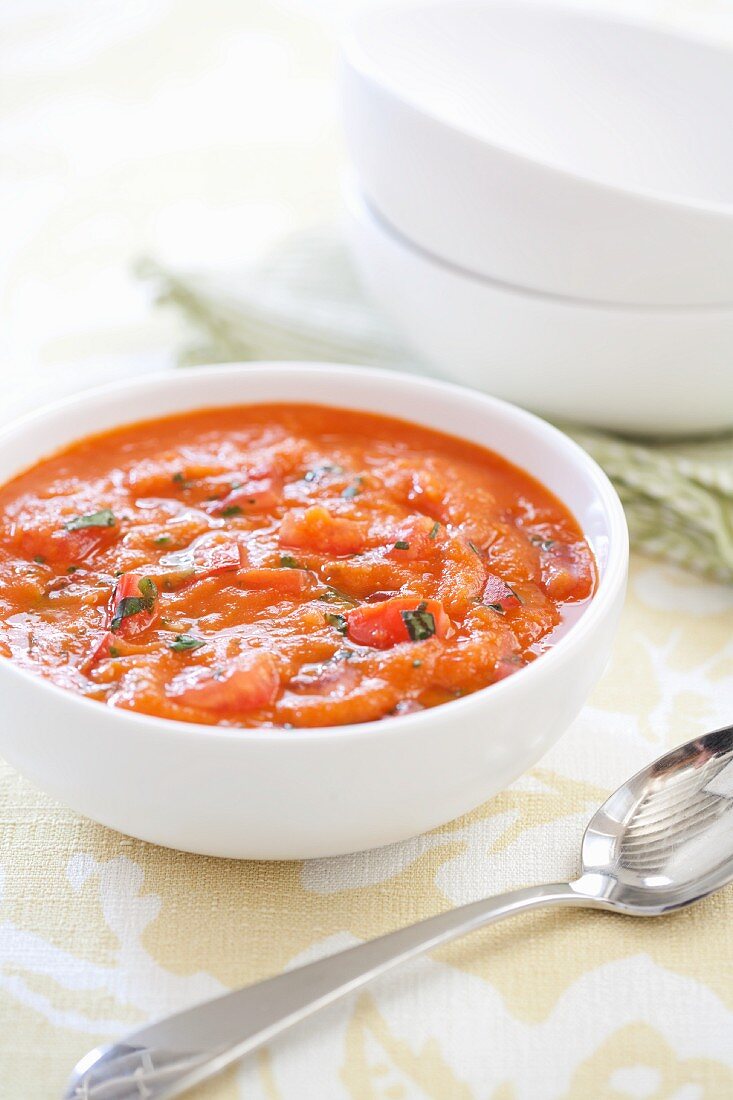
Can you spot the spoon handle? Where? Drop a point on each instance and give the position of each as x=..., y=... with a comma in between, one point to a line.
x=163, y=1060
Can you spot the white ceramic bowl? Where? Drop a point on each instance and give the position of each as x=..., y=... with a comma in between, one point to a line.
x=564, y=151
x=290, y=794
x=649, y=370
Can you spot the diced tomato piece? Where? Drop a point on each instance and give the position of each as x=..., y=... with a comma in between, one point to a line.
x=134, y=605
x=246, y=683
x=513, y=555
x=499, y=595
x=411, y=541
x=403, y=619
x=290, y=582
x=568, y=571
x=210, y=559
x=252, y=495
x=99, y=652
x=424, y=487
x=315, y=529
x=61, y=548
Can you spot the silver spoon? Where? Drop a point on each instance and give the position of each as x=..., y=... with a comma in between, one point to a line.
x=662, y=841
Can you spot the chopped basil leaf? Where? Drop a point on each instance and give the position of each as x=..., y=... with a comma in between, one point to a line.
x=287, y=561
x=180, y=480
x=133, y=605
x=231, y=510
x=401, y=545
x=420, y=623
x=162, y=540
x=338, y=621
x=39, y=559
x=105, y=518
x=474, y=547
x=114, y=651
x=183, y=643
x=72, y=569
x=544, y=544
x=434, y=530
x=129, y=605
x=496, y=607
x=353, y=490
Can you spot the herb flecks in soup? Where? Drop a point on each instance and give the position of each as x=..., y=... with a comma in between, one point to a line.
x=282, y=566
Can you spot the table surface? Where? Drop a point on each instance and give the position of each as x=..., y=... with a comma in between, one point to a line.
x=200, y=134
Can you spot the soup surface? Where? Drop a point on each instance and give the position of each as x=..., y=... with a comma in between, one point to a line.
x=282, y=565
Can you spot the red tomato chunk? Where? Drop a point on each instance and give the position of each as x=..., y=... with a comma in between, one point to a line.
x=248, y=683
x=282, y=566
x=499, y=595
x=134, y=605
x=405, y=619
x=317, y=530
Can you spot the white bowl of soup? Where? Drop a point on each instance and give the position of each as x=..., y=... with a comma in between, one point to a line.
x=293, y=610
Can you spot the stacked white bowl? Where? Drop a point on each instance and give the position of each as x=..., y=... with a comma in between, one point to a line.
x=542, y=199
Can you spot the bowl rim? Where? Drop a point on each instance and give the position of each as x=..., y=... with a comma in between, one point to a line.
x=355, y=57
x=611, y=582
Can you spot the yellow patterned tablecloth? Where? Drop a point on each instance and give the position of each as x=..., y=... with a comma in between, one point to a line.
x=199, y=133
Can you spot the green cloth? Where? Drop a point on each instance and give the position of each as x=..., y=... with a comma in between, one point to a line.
x=304, y=302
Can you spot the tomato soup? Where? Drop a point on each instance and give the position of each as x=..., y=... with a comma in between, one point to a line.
x=282, y=566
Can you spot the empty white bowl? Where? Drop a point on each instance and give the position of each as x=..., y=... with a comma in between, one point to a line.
x=547, y=148
x=281, y=794
x=650, y=370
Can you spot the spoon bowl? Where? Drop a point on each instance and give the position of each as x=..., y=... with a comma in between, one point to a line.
x=665, y=838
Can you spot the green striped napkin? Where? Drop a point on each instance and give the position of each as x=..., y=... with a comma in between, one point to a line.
x=304, y=302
